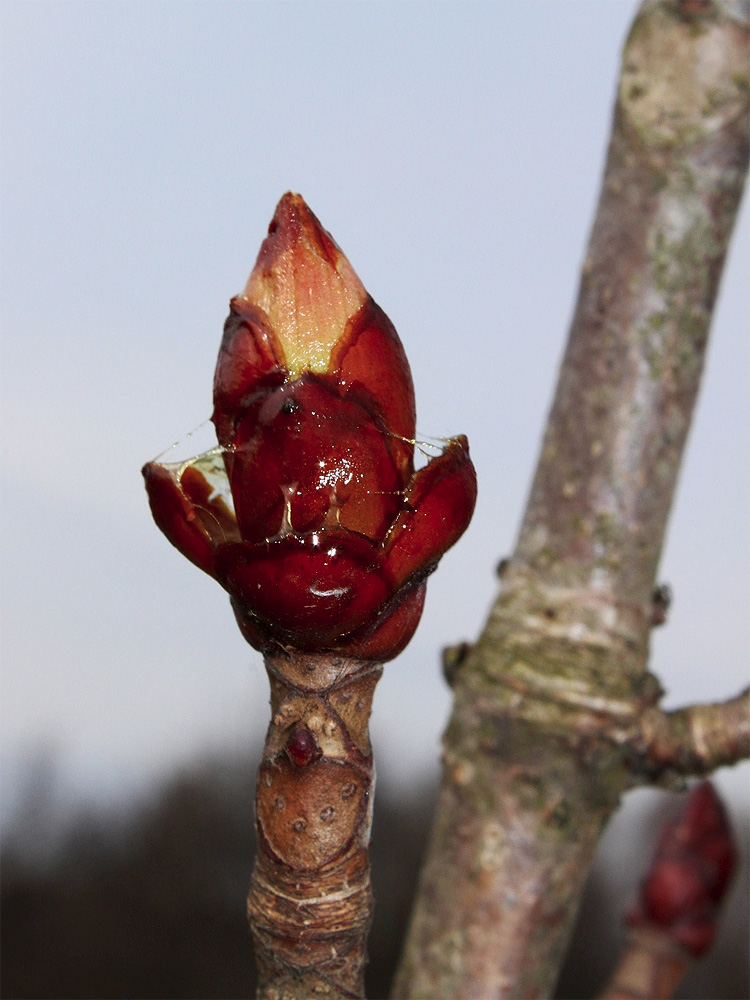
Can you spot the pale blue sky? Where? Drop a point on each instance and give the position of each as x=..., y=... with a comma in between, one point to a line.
x=454, y=150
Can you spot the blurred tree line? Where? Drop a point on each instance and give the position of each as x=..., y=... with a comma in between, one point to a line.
x=149, y=901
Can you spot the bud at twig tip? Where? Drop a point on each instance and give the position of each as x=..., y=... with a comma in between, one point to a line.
x=690, y=873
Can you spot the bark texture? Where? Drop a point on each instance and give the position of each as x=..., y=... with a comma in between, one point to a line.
x=695, y=740
x=555, y=713
x=310, y=900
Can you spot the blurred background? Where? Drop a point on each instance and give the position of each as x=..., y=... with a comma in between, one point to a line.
x=454, y=151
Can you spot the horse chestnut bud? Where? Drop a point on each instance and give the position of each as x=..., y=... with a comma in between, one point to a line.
x=310, y=512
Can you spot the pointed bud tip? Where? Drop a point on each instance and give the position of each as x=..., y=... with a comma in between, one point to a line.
x=305, y=285
x=293, y=223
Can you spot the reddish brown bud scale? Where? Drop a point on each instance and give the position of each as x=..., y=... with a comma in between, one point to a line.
x=331, y=533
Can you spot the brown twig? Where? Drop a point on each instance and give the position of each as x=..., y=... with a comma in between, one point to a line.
x=650, y=967
x=310, y=902
x=534, y=759
x=697, y=739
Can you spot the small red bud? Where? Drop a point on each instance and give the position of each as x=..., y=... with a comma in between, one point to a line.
x=693, y=864
x=301, y=748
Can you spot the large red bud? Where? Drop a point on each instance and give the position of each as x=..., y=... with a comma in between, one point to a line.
x=310, y=512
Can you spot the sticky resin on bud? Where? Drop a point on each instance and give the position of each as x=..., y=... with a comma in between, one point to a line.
x=321, y=529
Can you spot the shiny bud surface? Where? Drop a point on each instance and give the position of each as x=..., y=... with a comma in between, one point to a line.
x=301, y=748
x=310, y=512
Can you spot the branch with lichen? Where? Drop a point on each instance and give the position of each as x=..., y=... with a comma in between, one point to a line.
x=555, y=713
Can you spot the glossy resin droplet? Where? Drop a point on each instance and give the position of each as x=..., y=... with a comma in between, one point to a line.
x=301, y=748
x=321, y=530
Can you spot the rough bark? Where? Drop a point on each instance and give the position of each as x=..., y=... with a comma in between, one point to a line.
x=555, y=712
x=310, y=900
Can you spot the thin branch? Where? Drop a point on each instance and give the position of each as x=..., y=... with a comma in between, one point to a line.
x=697, y=739
x=531, y=774
x=650, y=967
